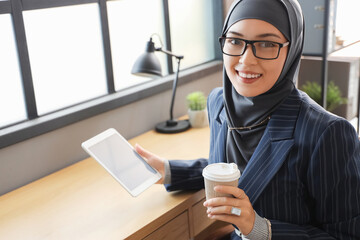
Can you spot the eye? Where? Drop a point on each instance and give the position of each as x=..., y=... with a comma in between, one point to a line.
x=234, y=41
x=267, y=44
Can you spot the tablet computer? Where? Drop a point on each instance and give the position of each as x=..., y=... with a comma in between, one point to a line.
x=119, y=158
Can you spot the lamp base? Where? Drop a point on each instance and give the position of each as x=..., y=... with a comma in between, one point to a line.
x=171, y=126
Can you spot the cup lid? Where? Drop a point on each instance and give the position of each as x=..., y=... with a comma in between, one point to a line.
x=223, y=172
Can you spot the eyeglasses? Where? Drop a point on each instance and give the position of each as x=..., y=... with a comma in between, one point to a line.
x=267, y=50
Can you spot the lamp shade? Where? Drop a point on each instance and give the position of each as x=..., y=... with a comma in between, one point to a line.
x=147, y=65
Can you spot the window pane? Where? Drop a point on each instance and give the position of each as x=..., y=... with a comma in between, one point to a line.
x=66, y=55
x=131, y=24
x=191, y=26
x=12, y=105
x=347, y=13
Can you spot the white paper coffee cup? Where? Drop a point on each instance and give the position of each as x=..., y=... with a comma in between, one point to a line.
x=215, y=174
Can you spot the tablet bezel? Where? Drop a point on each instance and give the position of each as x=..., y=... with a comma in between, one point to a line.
x=86, y=145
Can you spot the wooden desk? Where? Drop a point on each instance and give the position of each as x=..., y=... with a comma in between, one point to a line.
x=83, y=201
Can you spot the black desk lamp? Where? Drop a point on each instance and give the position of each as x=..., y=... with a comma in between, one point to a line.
x=148, y=65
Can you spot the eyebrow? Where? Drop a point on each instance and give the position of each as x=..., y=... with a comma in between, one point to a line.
x=263, y=35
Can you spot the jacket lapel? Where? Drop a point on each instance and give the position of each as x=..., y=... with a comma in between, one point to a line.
x=273, y=148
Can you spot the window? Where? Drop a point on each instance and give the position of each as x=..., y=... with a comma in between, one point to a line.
x=63, y=61
x=130, y=28
x=66, y=55
x=192, y=33
x=346, y=16
x=12, y=105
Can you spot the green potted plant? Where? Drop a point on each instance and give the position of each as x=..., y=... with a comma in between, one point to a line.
x=333, y=96
x=196, y=102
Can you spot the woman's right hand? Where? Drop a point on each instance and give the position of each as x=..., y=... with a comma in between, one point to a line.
x=154, y=161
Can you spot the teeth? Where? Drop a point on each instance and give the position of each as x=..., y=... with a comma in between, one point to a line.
x=244, y=75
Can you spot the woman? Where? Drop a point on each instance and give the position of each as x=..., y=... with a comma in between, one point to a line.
x=300, y=164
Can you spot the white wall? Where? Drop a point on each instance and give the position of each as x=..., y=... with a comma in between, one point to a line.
x=32, y=159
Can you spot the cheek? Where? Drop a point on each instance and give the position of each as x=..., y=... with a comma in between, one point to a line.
x=275, y=69
x=274, y=73
x=229, y=63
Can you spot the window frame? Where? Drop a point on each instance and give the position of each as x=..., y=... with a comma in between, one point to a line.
x=36, y=125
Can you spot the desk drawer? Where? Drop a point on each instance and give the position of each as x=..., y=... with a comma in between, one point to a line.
x=200, y=219
x=177, y=228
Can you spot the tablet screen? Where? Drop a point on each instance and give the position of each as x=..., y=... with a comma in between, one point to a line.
x=117, y=156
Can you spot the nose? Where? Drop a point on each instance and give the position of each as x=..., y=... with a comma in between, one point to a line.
x=248, y=58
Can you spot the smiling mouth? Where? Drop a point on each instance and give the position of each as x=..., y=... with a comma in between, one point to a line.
x=249, y=76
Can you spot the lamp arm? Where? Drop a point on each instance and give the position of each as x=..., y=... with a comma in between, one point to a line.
x=178, y=58
x=174, y=89
x=169, y=53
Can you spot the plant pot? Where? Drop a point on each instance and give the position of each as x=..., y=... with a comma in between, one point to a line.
x=198, y=119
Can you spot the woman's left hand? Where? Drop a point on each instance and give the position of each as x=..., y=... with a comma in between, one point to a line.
x=219, y=208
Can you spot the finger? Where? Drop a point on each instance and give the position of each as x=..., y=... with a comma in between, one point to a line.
x=144, y=153
x=235, y=191
x=229, y=210
x=225, y=218
x=219, y=210
x=153, y=161
x=222, y=201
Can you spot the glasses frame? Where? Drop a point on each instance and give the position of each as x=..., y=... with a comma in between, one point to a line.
x=251, y=42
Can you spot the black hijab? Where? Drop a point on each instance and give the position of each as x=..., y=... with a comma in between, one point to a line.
x=242, y=111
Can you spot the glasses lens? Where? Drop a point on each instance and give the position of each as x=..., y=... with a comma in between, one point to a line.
x=267, y=50
x=233, y=46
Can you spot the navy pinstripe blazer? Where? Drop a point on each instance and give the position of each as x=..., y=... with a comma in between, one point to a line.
x=304, y=176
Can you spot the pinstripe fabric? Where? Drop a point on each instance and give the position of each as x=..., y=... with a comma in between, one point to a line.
x=304, y=176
